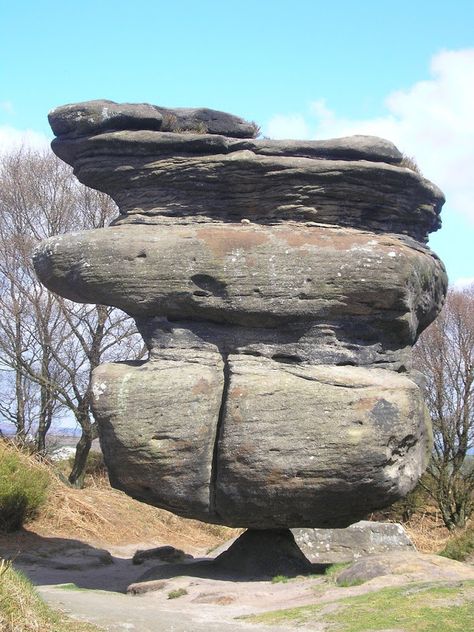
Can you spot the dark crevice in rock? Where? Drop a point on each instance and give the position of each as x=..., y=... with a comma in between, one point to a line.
x=286, y=359
x=217, y=441
x=161, y=437
x=400, y=448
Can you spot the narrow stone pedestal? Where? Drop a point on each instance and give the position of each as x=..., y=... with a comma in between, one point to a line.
x=255, y=555
x=266, y=552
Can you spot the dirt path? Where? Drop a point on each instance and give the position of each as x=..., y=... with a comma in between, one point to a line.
x=90, y=583
x=117, y=612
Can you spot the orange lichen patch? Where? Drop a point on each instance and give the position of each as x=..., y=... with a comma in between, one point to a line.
x=366, y=403
x=223, y=241
x=201, y=387
x=242, y=452
x=275, y=477
x=251, y=261
x=237, y=391
x=297, y=237
x=234, y=415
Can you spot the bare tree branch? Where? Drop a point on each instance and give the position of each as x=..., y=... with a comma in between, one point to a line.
x=50, y=346
x=445, y=354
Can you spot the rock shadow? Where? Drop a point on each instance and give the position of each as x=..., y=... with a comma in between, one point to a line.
x=55, y=560
x=256, y=555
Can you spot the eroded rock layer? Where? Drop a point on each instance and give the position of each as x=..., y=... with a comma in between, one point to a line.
x=279, y=287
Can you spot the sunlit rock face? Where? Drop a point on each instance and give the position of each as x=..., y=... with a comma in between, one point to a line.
x=279, y=287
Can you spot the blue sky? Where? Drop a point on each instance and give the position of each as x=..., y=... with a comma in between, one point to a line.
x=300, y=68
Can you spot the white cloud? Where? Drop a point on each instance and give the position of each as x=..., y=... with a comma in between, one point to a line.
x=12, y=138
x=463, y=282
x=288, y=126
x=432, y=121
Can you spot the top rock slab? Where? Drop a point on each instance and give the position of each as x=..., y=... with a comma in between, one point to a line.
x=94, y=117
x=165, y=165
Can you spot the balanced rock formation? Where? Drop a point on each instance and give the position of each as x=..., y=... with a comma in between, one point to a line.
x=279, y=287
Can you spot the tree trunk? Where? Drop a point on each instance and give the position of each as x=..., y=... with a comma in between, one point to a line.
x=89, y=433
x=89, y=430
x=19, y=389
x=44, y=424
x=45, y=413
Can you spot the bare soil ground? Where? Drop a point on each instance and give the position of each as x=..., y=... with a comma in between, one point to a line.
x=79, y=553
x=91, y=588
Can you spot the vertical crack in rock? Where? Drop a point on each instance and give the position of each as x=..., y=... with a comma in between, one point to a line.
x=219, y=428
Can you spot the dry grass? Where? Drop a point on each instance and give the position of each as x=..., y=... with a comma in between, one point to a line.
x=102, y=515
x=22, y=610
x=410, y=163
x=425, y=528
x=427, y=531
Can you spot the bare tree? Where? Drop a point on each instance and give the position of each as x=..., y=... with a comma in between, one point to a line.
x=445, y=354
x=49, y=346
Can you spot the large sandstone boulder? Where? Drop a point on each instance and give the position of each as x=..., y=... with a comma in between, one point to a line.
x=290, y=438
x=413, y=566
x=279, y=287
x=334, y=546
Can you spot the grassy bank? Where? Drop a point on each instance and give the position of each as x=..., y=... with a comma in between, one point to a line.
x=461, y=546
x=23, y=487
x=414, y=608
x=22, y=610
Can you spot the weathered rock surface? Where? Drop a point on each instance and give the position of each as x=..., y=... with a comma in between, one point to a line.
x=175, y=435
x=333, y=546
x=355, y=434
x=162, y=177
x=93, y=117
x=309, y=294
x=162, y=553
x=247, y=275
x=213, y=170
x=279, y=287
x=158, y=427
x=414, y=566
